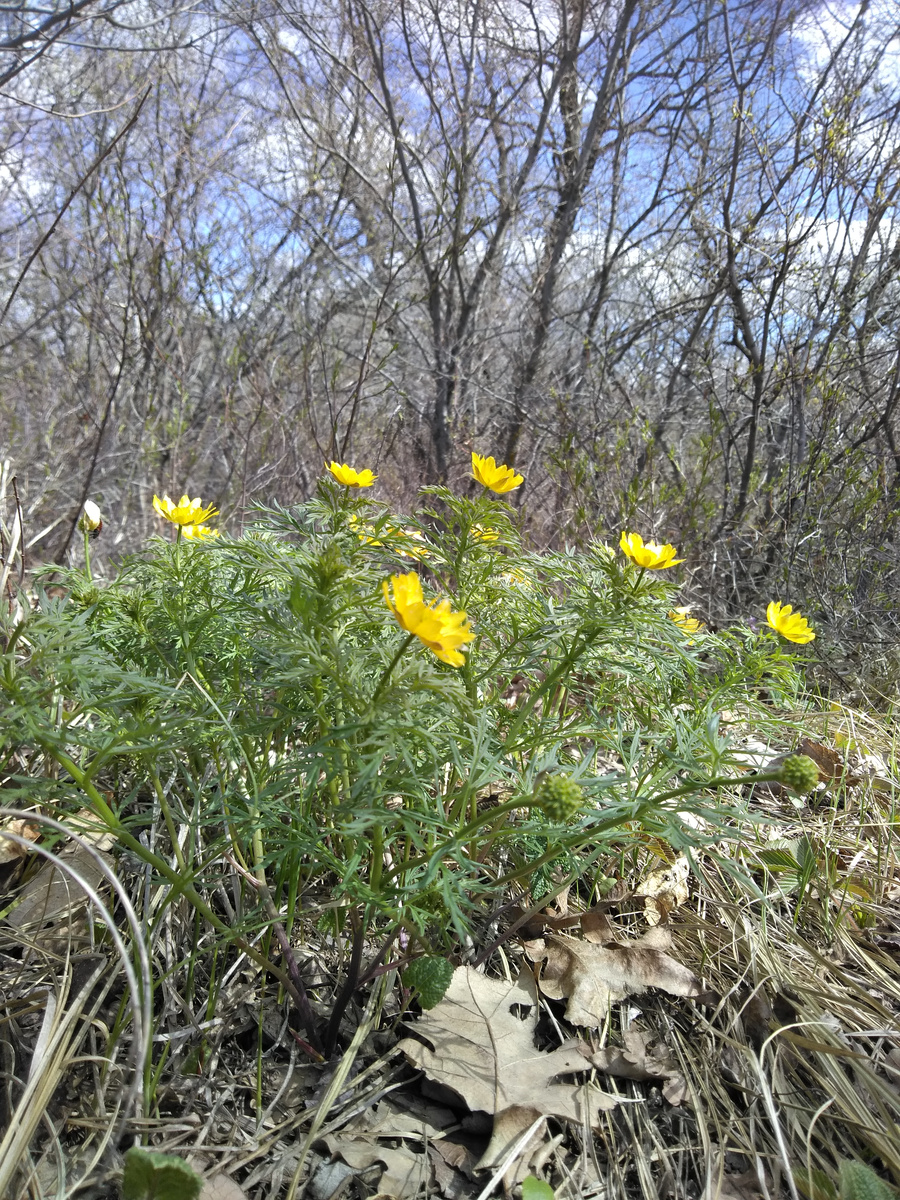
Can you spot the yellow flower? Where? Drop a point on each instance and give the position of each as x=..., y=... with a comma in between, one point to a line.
x=350, y=478
x=683, y=619
x=185, y=512
x=201, y=532
x=484, y=533
x=788, y=623
x=363, y=532
x=441, y=630
x=498, y=479
x=413, y=544
x=516, y=578
x=649, y=555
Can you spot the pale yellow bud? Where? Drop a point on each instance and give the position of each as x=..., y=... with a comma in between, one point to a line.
x=90, y=521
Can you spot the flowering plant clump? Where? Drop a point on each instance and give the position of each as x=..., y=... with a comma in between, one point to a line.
x=200, y=533
x=788, y=623
x=497, y=479
x=350, y=478
x=185, y=512
x=650, y=556
x=581, y=732
x=436, y=625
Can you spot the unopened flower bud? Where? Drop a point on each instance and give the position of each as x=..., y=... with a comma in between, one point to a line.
x=90, y=520
x=559, y=797
x=799, y=773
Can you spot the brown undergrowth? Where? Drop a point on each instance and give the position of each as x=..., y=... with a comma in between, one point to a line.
x=787, y=1063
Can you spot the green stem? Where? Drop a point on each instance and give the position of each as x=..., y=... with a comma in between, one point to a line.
x=179, y=882
x=87, y=556
x=589, y=832
x=167, y=817
x=388, y=669
x=569, y=660
x=377, y=858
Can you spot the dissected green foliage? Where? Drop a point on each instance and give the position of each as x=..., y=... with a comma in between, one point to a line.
x=260, y=694
x=283, y=760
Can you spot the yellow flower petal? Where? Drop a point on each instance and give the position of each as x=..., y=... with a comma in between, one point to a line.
x=788, y=623
x=651, y=556
x=185, y=512
x=484, y=533
x=201, y=533
x=497, y=479
x=682, y=618
x=443, y=631
x=350, y=478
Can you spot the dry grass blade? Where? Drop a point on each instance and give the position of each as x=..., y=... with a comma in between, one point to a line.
x=370, y=1018
x=74, y=1001
x=59, y=1042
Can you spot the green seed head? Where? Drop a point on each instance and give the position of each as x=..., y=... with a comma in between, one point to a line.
x=559, y=797
x=799, y=773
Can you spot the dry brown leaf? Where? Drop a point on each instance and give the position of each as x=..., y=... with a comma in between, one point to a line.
x=222, y=1187
x=329, y=1180
x=675, y=1090
x=386, y=1120
x=596, y=926
x=485, y=1052
x=10, y=850
x=663, y=891
x=53, y=893
x=593, y=977
x=640, y=1061
x=634, y=1060
x=509, y=1126
x=831, y=765
x=723, y=1186
x=457, y=1155
x=450, y=1183
x=404, y=1173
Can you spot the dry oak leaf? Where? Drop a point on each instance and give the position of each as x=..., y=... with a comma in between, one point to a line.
x=482, y=1034
x=832, y=767
x=510, y=1128
x=404, y=1173
x=592, y=978
x=222, y=1187
x=11, y=851
x=664, y=890
x=640, y=1061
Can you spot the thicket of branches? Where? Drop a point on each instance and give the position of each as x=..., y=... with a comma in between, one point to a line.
x=647, y=251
